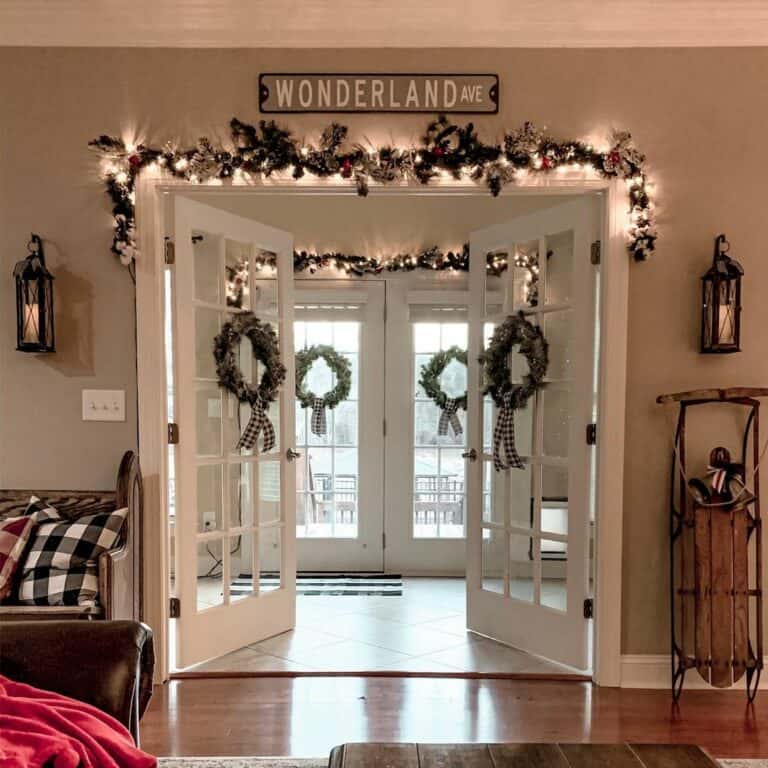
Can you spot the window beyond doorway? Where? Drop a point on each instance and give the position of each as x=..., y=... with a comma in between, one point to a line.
x=439, y=486
x=327, y=476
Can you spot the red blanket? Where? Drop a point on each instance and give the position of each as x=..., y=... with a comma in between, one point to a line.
x=40, y=728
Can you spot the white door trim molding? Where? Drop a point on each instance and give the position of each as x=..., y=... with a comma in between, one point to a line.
x=151, y=194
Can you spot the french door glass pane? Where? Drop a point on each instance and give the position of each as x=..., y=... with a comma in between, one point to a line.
x=439, y=485
x=521, y=491
x=208, y=400
x=559, y=267
x=269, y=491
x=555, y=402
x=269, y=558
x=345, y=423
x=521, y=571
x=207, y=327
x=209, y=498
x=327, y=474
x=241, y=508
x=236, y=281
x=558, y=329
x=210, y=584
x=241, y=566
x=263, y=294
x=554, y=495
x=493, y=556
x=205, y=250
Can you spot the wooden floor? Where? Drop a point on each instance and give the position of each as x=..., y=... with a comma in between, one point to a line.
x=306, y=717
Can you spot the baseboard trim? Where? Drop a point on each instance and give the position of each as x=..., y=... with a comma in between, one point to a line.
x=653, y=671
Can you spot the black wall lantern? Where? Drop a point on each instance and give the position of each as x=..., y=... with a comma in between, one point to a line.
x=721, y=302
x=34, y=301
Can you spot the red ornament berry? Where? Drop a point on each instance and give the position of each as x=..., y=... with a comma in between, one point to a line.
x=438, y=152
x=546, y=162
x=135, y=161
x=615, y=157
x=346, y=168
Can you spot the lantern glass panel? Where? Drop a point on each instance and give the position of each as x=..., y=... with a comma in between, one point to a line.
x=726, y=314
x=706, y=317
x=34, y=306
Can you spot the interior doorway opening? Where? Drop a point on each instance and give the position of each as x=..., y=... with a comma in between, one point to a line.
x=381, y=498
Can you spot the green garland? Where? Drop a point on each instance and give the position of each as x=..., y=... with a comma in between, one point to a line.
x=432, y=370
x=258, y=152
x=338, y=364
x=516, y=330
x=265, y=349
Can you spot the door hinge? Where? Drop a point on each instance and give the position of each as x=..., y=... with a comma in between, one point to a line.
x=589, y=608
x=383, y=540
x=594, y=252
x=170, y=251
x=592, y=434
x=175, y=608
x=384, y=427
x=173, y=433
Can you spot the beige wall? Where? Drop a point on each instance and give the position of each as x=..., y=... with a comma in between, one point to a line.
x=699, y=114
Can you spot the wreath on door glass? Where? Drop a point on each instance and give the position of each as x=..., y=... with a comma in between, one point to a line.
x=515, y=331
x=342, y=371
x=226, y=353
x=430, y=383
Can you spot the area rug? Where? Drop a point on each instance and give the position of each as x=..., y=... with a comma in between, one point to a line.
x=329, y=584
x=317, y=762
x=756, y=763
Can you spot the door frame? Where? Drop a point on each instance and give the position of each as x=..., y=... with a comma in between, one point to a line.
x=152, y=194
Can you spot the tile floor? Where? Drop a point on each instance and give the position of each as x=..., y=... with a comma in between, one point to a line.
x=422, y=631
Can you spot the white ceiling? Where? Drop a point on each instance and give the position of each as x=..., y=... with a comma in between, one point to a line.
x=371, y=23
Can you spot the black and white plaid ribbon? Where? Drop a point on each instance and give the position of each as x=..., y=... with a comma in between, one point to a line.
x=319, y=423
x=448, y=416
x=504, y=451
x=259, y=421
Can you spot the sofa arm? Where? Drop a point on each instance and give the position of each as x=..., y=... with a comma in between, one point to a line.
x=108, y=664
x=117, y=590
x=120, y=569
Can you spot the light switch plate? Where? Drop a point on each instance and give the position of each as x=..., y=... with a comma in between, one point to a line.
x=103, y=405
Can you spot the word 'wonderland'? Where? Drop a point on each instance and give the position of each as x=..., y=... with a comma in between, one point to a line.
x=378, y=93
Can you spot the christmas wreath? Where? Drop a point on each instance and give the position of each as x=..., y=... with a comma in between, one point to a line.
x=267, y=351
x=341, y=369
x=430, y=383
x=515, y=331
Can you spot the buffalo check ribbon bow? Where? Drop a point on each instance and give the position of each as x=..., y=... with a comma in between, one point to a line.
x=504, y=451
x=319, y=423
x=448, y=416
x=719, y=477
x=258, y=422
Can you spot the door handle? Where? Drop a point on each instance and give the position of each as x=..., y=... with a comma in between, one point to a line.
x=290, y=454
x=471, y=454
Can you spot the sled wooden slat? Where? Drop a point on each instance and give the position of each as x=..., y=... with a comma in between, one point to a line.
x=702, y=591
x=740, y=599
x=722, y=599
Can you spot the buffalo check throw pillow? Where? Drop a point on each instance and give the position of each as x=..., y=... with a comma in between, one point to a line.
x=61, y=564
x=14, y=535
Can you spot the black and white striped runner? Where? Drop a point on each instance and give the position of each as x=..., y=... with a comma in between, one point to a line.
x=365, y=584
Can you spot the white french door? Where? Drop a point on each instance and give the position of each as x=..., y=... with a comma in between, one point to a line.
x=340, y=474
x=234, y=517
x=528, y=532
